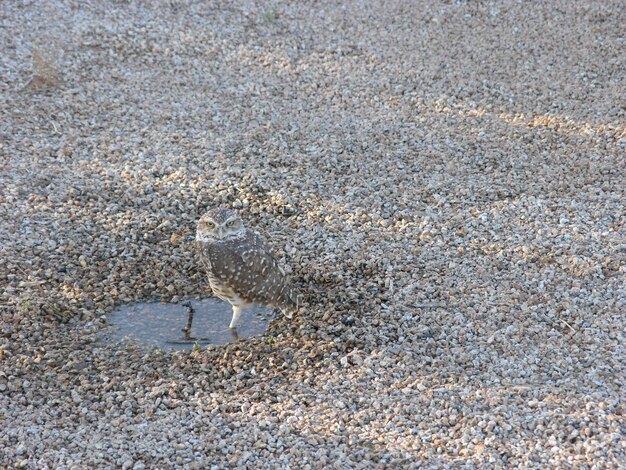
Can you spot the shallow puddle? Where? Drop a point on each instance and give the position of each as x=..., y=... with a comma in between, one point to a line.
x=181, y=325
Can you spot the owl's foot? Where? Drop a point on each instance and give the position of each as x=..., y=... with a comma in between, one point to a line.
x=233, y=334
x=234, y=323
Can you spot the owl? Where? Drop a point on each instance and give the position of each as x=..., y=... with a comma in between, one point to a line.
x=241, y=268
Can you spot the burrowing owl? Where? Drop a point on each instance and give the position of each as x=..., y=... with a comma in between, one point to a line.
x=241, y=268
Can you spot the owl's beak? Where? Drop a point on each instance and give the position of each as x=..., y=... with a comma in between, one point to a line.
x=222, y=232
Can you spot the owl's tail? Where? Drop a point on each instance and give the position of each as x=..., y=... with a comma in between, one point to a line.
x=291, y=302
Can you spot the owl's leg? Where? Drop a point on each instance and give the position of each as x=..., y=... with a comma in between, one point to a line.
x=236, y=312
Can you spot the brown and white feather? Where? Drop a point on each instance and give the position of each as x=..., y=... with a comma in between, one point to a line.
x=242, y=270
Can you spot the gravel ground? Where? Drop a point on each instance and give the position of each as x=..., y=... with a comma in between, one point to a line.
x=446, y=181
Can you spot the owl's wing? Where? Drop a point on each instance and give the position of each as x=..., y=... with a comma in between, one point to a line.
x=262, y=279
x=258, y=256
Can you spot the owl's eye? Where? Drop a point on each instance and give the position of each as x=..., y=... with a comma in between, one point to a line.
x=210, y=225
x=231, y=223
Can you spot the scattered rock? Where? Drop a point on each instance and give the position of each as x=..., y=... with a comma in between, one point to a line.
x=444, y=183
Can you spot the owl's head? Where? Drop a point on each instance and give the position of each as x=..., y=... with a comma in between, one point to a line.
x=219, y=224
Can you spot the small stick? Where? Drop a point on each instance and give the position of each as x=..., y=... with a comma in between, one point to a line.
x=427, y=305
x=187, y=329
x=568, y=325
x=366, y=183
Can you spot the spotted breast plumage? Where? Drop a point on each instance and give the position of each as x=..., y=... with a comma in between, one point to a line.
x=241, y=268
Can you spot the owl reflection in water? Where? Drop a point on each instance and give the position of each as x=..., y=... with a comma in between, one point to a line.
x=241, y=268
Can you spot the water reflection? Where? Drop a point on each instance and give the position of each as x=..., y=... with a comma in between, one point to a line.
x=181, y=325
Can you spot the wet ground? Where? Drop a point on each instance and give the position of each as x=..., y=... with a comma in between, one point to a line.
x=182, y=325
